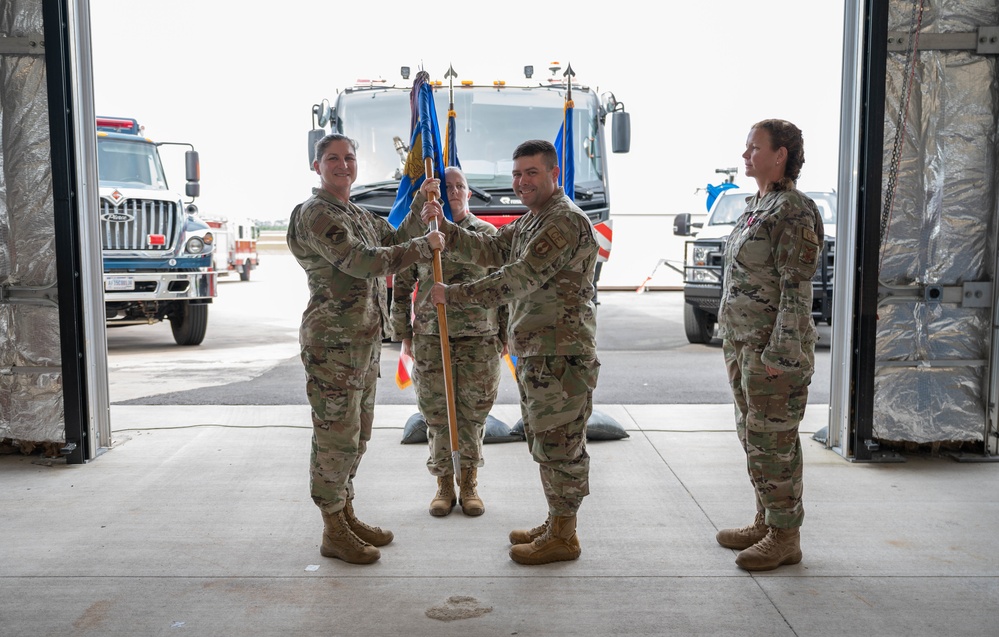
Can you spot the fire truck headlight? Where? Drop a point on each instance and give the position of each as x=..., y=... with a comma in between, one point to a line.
x=195, y=245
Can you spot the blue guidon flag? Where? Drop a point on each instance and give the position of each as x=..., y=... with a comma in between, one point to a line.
x=425, y=142
x=451, y=141
x=566, y=160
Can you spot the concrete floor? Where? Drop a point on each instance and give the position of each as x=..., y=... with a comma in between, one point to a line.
x=198, y=522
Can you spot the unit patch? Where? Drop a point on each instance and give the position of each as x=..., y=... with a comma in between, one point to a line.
x=541, y=248
x=809, y=235
x=556, y=237
x=809, y=247
x=809, y=254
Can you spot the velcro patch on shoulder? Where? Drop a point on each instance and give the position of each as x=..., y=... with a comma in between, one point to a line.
x=809, y=253
x=320, y=224
x=541, y=248
x=556, y=237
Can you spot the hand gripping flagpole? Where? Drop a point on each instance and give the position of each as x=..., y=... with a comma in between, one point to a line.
x=452, y=416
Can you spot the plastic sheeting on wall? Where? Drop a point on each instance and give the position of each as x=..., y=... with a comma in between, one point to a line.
x=31, y=399
x=930, y=382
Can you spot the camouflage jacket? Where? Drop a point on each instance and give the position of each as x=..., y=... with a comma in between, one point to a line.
x=546, y=263
x=346, y=252
x=421, y=317
x=770, y=259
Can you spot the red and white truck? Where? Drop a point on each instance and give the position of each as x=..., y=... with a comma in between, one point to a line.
x=235, y=247
x=493, y=118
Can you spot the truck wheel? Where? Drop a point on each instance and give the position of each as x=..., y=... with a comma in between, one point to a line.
x=698, y=324
x=189, y=327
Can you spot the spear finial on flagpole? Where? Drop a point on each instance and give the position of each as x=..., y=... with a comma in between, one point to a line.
x=450, y=75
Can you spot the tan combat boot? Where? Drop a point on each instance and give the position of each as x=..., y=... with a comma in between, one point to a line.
x=468, y=498
x=745, y=537
x=340, y=542
x=558, y=543
x=373, y=535
x=445, y=499
x=526, y=536
x=779, y=547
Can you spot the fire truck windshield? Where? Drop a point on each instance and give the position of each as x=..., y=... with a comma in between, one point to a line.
x=490, y=123
x=129, y=164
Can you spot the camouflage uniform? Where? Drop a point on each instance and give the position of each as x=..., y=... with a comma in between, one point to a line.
x=546, y=263
x=346, y=252
x=475, y=335
x=765, y=319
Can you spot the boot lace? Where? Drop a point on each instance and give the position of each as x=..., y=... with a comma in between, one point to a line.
x=769, y=543
x=752, y=528
x=468, y=484
x=445, y=488
x=344, y=530
x=543, y=528
x=545, y=536
x=354, y=523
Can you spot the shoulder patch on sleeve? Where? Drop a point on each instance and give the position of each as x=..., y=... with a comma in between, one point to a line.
x=809, y=253
x=542, y=248
x=320, y=224
x=556, y=237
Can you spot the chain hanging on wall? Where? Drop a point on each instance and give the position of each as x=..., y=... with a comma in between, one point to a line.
x=901, y=122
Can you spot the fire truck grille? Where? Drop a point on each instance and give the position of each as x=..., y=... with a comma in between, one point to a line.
x=137, y=224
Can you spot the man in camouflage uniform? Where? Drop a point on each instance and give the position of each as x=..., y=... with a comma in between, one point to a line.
x=476, y=337
x=769, y=340
x=546, y=259
x=346, y=252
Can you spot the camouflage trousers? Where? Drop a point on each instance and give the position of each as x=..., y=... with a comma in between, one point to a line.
x=340, y=382
x=475, y=373
x=556, y=400
x=768, y=410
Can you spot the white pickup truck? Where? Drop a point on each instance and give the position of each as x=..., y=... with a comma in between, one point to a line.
x=703, y=255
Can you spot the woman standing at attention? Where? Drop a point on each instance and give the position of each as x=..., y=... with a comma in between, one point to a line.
x=769, y=340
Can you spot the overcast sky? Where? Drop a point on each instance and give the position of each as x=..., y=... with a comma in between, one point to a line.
x=238, y=80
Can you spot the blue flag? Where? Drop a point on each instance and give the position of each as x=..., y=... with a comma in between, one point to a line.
x=425, y=142
x=566, y=155
x=451, y=142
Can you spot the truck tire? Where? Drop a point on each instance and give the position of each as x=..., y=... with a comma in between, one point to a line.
x=244, y=274
x=189, y=327
x=698, y=324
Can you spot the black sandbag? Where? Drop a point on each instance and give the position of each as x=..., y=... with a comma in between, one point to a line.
x=600, y=426
x=499, y=431
x=415, y=430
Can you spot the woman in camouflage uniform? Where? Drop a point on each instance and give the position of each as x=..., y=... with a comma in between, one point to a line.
x=346, y=251
x=769, y=339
